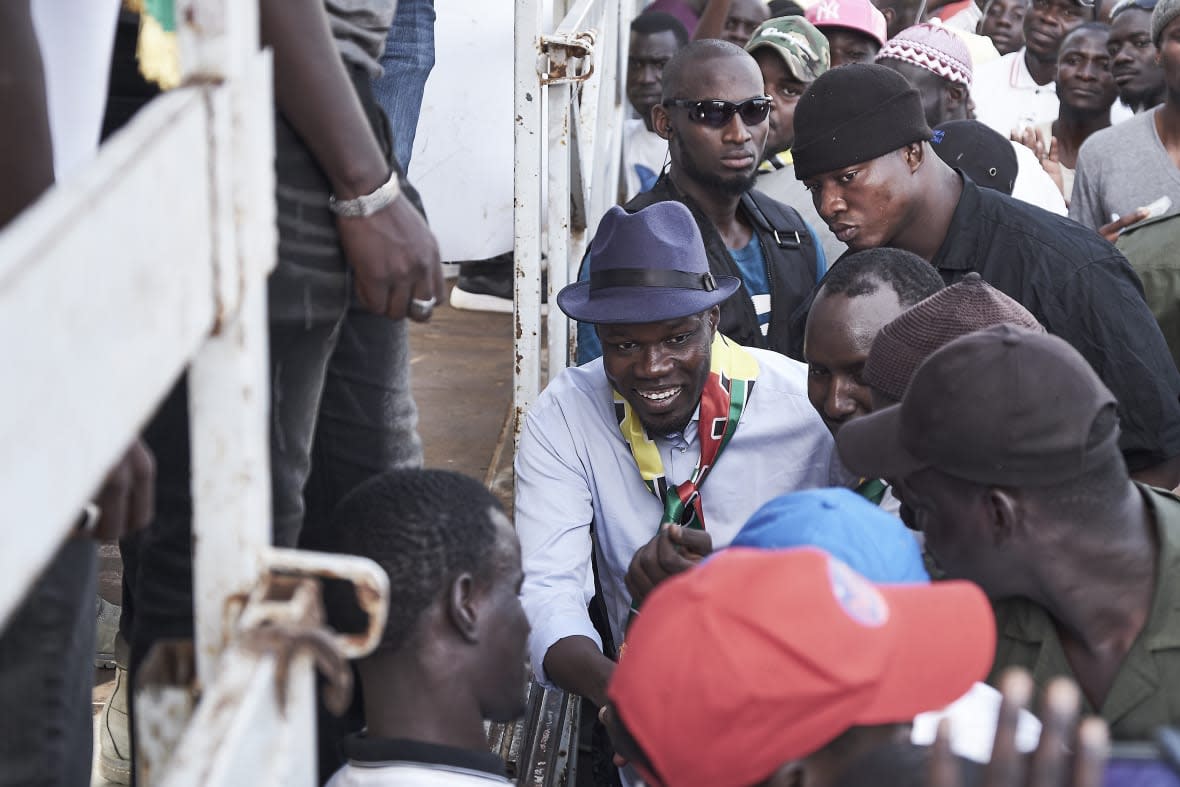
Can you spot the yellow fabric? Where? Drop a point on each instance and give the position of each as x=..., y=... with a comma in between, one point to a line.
x=158, y=54
x=785, y=159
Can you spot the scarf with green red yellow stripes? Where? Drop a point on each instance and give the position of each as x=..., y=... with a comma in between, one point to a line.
x=732, y=372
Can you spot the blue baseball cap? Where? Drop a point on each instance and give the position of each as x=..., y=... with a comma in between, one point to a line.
x=843, y=524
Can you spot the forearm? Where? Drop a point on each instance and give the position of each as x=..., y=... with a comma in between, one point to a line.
x=26, y=164
x=712, y=22
x=578, y=666
x=315, y=94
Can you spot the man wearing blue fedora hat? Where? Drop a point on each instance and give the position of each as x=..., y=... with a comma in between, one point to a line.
x=655, y=453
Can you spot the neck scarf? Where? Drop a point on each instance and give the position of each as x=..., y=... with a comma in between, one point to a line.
x=732, y=372
x=872, y=489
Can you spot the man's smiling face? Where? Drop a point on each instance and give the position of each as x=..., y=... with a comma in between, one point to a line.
x=660, y=368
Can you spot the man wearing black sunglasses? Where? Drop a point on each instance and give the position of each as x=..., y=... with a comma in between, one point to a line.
x=714, y=116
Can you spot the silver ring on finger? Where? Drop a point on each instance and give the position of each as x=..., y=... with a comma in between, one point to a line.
x=420, y=309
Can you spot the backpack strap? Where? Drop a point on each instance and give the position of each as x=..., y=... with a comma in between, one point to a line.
x=786, y=235
x=783, y=223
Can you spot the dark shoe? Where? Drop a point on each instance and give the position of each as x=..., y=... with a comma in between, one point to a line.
x=490, y=292
x=486, y=286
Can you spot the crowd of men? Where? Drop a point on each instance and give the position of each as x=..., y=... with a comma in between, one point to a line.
x=873, y=437
x=709, y=557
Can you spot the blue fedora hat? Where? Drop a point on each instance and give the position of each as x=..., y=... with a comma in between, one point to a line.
x=646, y=266
x=843, y=524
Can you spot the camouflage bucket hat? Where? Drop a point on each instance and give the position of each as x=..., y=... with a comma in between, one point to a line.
x=798, y=42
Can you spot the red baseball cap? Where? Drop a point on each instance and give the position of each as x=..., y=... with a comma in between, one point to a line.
x=758, y=657
x=859, y=15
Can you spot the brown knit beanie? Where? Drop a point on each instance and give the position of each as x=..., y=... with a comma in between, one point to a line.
x=852, y=114
x=965, y=307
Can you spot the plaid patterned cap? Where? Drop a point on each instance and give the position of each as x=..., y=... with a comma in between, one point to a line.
x=965, y=307
x=935, y=48
x=802, y=47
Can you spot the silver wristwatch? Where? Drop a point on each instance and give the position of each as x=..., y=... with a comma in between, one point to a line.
x=368, y=204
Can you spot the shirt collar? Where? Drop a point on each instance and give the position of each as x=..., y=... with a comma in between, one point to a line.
x=1163, y=624
x=1032, y=624
x=1020, y=78
x=963, y=231
x=362, y=750
x=689, y=433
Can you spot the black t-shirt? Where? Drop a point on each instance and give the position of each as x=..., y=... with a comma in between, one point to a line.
x=1082, y=289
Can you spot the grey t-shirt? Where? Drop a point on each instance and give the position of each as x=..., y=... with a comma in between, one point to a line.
x=782, y=185
x=360, y=28
x=1121, y=169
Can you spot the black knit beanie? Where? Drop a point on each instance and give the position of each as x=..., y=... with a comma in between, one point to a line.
x=855, y=113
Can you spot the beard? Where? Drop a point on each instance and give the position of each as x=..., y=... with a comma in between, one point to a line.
x=1139, y=99
x=731, y=185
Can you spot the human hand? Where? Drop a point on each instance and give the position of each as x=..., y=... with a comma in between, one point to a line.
x=1111, y=231
x=394, y=257
x=674, y=549
x=1051, y=163
x=126, y=501
x=609, y=719
x=1052, y=763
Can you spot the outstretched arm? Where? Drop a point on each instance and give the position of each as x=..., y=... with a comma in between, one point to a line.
x=712, y=23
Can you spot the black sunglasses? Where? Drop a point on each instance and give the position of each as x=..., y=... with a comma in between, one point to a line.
x=715, y=113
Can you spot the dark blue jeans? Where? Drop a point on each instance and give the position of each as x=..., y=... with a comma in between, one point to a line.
x=408, y=58
x=46, y=679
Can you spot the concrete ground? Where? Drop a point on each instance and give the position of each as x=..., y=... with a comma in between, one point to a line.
x=461, y=367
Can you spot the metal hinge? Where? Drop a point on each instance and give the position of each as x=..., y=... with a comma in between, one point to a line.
x=280, y=620
x=566, y=58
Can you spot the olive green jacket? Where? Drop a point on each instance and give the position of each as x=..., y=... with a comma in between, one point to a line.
x=1146, y=691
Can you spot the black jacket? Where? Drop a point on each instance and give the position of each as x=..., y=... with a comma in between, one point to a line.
x=1082, y=289
x=790, y=256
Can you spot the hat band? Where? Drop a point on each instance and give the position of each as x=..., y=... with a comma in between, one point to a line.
x=643, y=277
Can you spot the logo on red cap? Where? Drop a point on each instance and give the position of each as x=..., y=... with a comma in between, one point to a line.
x=857, y=596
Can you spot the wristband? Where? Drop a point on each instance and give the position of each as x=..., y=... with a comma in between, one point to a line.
x=368, y=204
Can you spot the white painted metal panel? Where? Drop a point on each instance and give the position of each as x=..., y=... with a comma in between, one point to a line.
x=229, y=385
x=241, y=736
x=529, y=137
x=105, y=292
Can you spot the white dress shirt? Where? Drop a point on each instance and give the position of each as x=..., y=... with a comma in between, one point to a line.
x=574, y=467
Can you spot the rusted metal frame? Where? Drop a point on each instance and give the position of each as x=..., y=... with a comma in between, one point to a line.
x=278, y=637
x=229, y=382
x=548, y=756
x=541, y=749
x=256, y=722
x=528, y=142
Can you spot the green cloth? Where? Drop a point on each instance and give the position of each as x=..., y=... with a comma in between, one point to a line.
x=1146, y=690
x=163, y=11
x=1150, y=247
x=873, y=490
